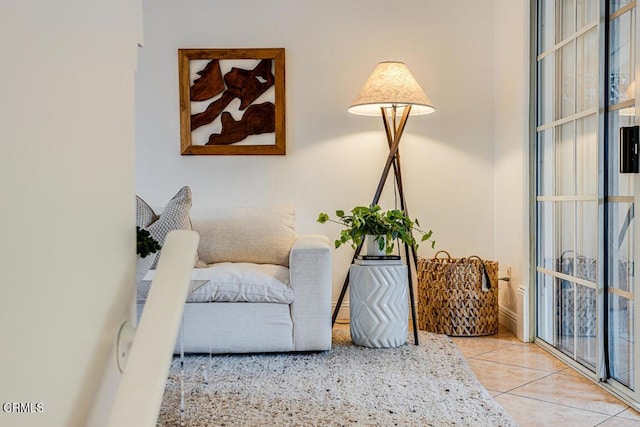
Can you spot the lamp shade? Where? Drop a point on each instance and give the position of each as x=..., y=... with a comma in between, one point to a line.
x=391, y=85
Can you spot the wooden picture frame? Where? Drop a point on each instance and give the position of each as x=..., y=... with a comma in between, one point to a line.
x=232, y=101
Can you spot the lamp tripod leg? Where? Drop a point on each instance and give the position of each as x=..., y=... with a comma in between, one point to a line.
x=393, y=148
x=410, y=254
x=376, y=198
x=345, y=285
x=412, y=301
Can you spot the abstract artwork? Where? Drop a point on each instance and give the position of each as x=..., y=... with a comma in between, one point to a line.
x=232, y=101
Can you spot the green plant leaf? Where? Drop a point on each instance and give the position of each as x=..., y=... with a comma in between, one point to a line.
x=145, y=243
x=371, y=220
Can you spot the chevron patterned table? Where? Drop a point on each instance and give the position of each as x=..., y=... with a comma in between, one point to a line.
x=378, y=305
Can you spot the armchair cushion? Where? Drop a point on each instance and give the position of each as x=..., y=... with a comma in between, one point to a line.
x=237, y=282
x=259, y=235
x=243, y=282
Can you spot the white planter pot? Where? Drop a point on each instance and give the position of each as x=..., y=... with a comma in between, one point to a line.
x=378, y=305
x=372, y=247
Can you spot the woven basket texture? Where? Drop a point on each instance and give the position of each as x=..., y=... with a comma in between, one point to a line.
x=450, y=296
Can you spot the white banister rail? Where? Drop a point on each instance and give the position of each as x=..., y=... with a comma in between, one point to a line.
x=137, y=402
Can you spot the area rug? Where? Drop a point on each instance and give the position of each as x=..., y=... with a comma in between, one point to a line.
x=426, y=385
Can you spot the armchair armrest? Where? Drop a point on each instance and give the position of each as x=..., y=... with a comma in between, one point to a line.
x=310, y=278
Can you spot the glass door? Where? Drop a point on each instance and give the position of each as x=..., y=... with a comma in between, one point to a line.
x=567, y=177
x=621, y=193
x=585, y=233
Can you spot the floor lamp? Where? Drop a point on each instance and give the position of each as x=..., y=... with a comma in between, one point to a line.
x=391, y=91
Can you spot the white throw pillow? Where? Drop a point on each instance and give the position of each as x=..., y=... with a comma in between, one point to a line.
x=239, y=282
x=145, y=216
x=174, y=216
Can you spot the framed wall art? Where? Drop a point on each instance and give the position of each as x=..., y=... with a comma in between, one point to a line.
x=232, y=101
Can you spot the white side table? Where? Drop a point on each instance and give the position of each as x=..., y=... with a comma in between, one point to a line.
x=378, y=305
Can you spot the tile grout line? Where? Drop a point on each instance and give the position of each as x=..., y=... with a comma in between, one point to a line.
x=522, y=367
x=548, y=374
x=510, y=391
x=516, y=366
x=604, y=421
x=627, y=407
x=558, y=404
x=525, y=384
x=624, y=410
x=480, y=354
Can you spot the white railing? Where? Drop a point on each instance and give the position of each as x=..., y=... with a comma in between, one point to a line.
x=137, y=402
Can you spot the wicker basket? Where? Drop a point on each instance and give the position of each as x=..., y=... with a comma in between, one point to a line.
x=451, y=299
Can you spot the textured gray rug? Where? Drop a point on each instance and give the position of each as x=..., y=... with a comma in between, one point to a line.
x=426, y=385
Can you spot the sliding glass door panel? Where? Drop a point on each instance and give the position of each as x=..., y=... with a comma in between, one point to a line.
x=615, y=5
x=587, y=156
x=567, y=70
x=546, y=236
x=587, y=12
x=546, y=162
x=586, y=242
x=547, y=88
x=621, y=339
x=620, y=262
x=619, y=184
x=585, y=327
x=622, y=192
x=567, y=19
x=546, y=315
x=621, y=59
x=547, y=27
x=587, y=84
x=585, y=234
x=565, y=235
x=566, y=159
x=566, y=302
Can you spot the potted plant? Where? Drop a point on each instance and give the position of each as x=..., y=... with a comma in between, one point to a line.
x=145, y=246
x=383, y=227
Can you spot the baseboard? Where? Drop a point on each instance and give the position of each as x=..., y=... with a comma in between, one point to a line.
x=343, y=314
x=508, y=318
x=524, y=331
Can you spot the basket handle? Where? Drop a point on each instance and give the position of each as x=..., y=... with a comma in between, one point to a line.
x=562, y=255
x=441, y=251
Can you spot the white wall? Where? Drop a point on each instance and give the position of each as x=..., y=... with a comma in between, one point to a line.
x=511, y=125
x=334, y=159
x=67, y=255
x=66, y=173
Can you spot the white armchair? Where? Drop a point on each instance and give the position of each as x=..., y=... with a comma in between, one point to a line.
x=258, y=287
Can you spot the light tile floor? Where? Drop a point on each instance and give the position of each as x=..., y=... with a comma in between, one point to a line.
x=537, y=389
